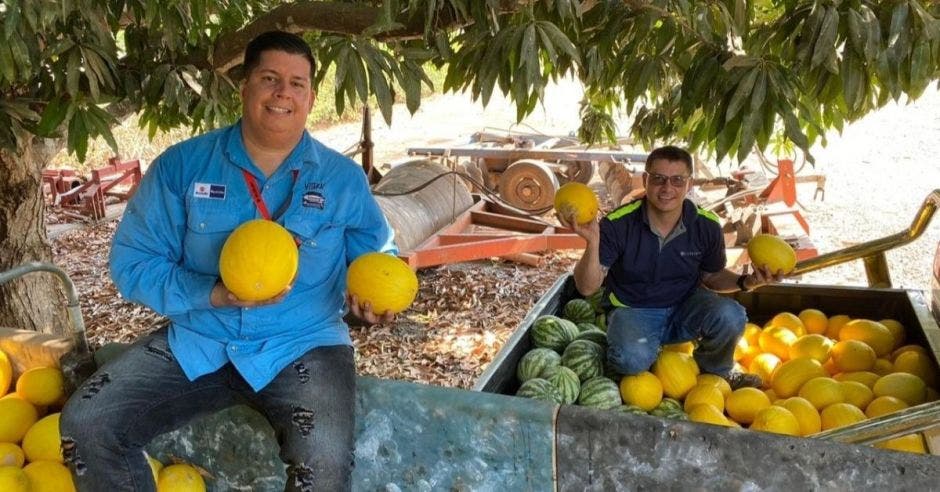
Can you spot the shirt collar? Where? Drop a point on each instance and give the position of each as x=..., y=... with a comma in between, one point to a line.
x=304, y=152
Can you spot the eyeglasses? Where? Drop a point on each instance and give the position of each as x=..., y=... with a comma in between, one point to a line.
x=677, y=181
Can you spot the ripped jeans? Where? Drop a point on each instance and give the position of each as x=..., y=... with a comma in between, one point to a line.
x=143, y=393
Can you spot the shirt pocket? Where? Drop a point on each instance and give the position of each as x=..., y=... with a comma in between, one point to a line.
x=208, y=225
x=321, y=247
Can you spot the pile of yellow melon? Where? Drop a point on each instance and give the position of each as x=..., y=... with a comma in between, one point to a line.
x=30, y=452
x=819, y=373
x=834, y=371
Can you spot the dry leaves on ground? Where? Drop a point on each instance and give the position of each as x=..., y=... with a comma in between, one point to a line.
x=462, y=316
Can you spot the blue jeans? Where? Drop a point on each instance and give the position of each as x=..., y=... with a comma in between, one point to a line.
x=634, y=335
x=143, y=393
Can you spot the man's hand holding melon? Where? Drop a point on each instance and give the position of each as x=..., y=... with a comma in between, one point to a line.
x=576, y=207
x=772, y=259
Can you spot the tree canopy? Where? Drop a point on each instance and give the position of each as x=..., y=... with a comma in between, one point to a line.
x=720, y=76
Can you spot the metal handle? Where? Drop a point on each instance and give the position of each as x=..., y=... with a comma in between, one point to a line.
x=901, y=423
x=71, y=294
x=872, y=252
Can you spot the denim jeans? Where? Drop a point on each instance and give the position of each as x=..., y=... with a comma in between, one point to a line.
x=143, y=393
x=634, y=335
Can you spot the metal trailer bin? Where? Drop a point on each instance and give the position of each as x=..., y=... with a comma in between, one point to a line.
x=909, y=307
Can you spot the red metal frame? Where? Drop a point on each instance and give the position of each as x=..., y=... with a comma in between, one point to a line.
x=504, y=235
x=117, y=179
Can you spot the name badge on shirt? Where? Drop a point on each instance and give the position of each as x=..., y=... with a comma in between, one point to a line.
x=208, y=190
x=314, y=199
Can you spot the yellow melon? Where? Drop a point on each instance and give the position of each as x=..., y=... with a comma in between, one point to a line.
x=857, y=394
x=684, y=347
x=707, y=414
x=822, y=392
x=909, y=348
x=383, y=280
x=13, y=479
x=18, y=416
x=776, y=419
x=918, y=364
x=789, y=377
x=853, y=355
x=6, y=373
x=867, y=378
x=814, y=320
x=902, y=385
x=180, y=478
x=41, y=385
x=703, y=393
x=813, y=346
x=896, y=329
x=744, y=403
x=11, y=455
x=839, y=415
x=835, y=325
x=911, y=443
x=578, y=199
x=772, y=252
x=873, y=333
x=677, y=372
x=49, y=476
x=763, y=365
x=806, y=414
x=789, y=320
x=882, y=367
x=751, y=333
x=715, y=380
x=642, y=390
x=155, y=467
x=42, y=441
x=884, y=405
x=777, y=340
x=258, y=260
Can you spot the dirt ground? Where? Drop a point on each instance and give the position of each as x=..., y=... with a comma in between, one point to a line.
x=878, y=173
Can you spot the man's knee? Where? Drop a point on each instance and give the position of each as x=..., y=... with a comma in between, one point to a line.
x=636, y=359
x=729, y=318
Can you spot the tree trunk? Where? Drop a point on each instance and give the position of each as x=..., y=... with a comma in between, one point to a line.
x=34, y=301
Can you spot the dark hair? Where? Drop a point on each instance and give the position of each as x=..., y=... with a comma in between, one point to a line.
x=276, y=41
x=671, y=154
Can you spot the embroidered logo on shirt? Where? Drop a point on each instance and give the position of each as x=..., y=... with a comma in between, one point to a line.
x=690, y=253
x=208, y=190
x=314, y=199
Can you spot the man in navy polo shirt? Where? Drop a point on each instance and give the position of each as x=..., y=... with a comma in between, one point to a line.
x=661, y=262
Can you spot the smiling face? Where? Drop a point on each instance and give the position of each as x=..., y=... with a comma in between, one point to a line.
x=277, y=96
x=665, y=197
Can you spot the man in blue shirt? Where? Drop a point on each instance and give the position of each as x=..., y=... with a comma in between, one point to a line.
x=289, y=357
x=661, y=261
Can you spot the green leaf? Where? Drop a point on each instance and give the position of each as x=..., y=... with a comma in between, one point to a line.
x=826, y=42
x=759, y=92
x=858, y=32
x=7, y=69
x=52, y=117
x=741, y=93
x=73, y=72
x=740, y=61
x=561, y=41
x=78, y=135
x=853, y=78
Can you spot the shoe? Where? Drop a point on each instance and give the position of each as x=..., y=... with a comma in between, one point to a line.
x=737, y=379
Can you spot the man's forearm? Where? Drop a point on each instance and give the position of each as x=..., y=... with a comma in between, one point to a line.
x=588, y=274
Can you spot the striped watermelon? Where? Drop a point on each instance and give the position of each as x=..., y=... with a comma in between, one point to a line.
x=600, y=392
x=626, y=408
x=594, y=335
x=595, y=299
x=585, y=358
x=535, y=363
x=601, y=322
x=553, y=332
x=539, y=389
x=579, y=311
x=583, y=327
x=567, y=383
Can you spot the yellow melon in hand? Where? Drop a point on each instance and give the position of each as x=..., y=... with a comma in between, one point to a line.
x=578, y=199
x=772, y=252
x=258, y=260
x=384, y=281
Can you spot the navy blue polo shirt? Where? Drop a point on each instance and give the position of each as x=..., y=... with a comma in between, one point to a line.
x=645, y=270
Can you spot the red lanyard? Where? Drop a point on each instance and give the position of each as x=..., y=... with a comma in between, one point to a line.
x=259, y=200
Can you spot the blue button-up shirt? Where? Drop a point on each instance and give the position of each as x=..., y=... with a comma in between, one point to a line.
x=165, y=253
x=646, y=270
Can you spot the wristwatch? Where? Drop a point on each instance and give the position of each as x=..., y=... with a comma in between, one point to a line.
x=741, y=283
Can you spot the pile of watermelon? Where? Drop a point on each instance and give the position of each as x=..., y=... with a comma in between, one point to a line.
x=568, y=363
